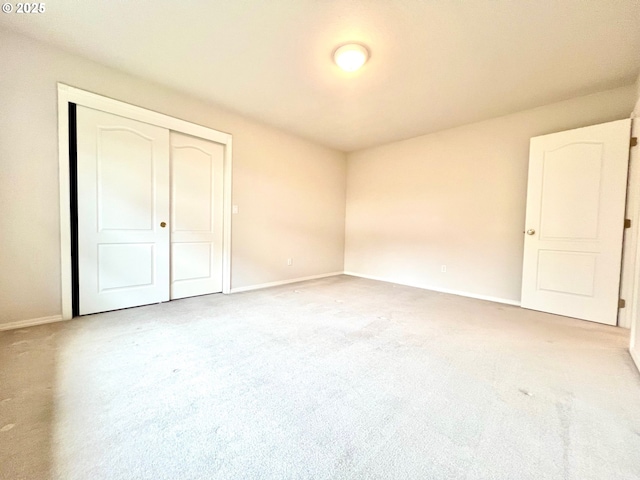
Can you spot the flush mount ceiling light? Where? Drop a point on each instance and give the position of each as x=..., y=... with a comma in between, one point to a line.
x=351, y=57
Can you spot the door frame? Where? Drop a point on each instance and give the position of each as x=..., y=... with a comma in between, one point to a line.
x=68, y=94
x=633, y=313
x=629, y=276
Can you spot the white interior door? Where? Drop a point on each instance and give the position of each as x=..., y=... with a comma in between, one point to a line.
x=123, y=200
x=575, y=220
x=196, y=216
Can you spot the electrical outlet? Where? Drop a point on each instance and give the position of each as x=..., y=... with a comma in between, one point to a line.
x=443, y=269
x=289, y=261
x=234, y=209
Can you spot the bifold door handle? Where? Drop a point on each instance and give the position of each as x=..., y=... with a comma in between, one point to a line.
x=163, y=224
x=531, y=231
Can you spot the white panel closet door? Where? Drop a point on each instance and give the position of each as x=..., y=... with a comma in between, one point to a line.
x=196, y=216
x=123, y=198
x=575, y=220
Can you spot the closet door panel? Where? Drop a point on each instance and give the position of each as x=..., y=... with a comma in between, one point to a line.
x=196, y=216
x=123, y=201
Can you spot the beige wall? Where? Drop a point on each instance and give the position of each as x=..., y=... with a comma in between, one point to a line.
x=456, y=198
x=290, y=192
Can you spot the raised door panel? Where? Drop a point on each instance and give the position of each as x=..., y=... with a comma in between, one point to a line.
x=192, y=192
x=125, y=180
x=571, y=273
x=571, y=191
x=125, y=265
x=193, y=261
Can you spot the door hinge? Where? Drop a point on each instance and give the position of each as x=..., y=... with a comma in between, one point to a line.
x=634, y=142
x=627, y=223
x=621, y=303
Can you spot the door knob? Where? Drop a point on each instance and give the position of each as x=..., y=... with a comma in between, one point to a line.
x=531, y=231
x=163, y=224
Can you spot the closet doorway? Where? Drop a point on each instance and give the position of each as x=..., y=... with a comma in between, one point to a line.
x=147, y=206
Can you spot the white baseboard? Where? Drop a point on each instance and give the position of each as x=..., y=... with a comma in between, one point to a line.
x=30, y=322
x=58, y=318
x=440, y=290
x=283, y=282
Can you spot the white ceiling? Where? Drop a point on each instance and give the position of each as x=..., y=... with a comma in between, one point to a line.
x=434, y=64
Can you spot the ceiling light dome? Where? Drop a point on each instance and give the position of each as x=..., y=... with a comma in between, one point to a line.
x=351, y=57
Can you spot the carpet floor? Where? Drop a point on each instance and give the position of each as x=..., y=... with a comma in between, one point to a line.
x=337, y=378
